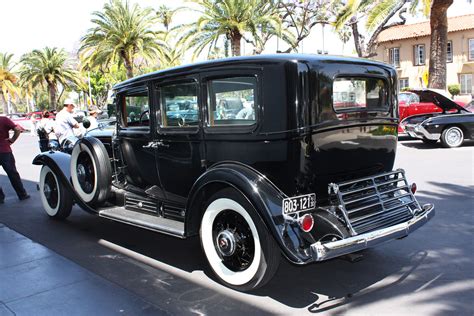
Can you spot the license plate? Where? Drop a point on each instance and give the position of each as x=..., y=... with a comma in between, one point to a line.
x=299, y=203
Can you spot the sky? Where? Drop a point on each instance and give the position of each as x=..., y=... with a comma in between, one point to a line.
x=35, y=24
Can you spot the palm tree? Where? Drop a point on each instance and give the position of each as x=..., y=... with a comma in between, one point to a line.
x=230, y=18
x=8, y=80
x=122, y=34
x=48, y=68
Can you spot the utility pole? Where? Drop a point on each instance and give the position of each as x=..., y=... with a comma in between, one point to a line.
x=90, y=89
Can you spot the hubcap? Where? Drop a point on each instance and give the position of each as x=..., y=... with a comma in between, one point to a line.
x=50, y=190
x=454, y=136
x=47, y=191
x=233, y=240
x=226, y=243
x=85, y=172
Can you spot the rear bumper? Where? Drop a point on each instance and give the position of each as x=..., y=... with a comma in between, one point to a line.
x=324, y=251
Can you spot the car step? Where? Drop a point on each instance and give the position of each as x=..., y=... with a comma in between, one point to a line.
x=150, y=222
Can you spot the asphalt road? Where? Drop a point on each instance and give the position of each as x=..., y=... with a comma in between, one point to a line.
x=430, y=272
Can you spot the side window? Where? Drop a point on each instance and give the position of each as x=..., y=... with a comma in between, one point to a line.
x=231, y=101
x=351, y=94
x=179, y=105
x=136, y=110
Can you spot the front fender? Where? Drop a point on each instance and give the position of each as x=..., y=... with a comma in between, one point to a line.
x=59, y=163
x=261, y=192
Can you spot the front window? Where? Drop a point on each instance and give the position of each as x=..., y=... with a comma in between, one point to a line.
x=231, y=101
x=179, y=105
x=419, y=54
x=471, y=49
x=449, y=52
x=352, y=94
x=394, y=56
x=136, y=111
x=466, y=83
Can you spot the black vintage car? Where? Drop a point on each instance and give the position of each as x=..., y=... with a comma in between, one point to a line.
x=452, y=126
x=254, y=155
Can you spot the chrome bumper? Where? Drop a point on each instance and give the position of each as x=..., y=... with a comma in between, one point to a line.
x=324, y=251
x=418, y=131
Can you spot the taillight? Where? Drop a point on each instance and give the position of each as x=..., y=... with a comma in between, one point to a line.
x=413, y=188
x=306, y=222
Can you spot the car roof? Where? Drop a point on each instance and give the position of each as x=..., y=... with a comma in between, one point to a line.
x=242, y=60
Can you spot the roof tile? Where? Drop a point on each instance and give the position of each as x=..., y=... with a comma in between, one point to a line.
x=455, y=23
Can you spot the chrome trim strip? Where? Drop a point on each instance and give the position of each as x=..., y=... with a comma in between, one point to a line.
x=338, y=248
x=418, y=131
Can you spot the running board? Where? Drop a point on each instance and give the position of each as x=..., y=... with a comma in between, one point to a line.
x=150, y=222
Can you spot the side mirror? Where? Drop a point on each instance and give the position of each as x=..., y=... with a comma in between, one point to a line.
x=86, y=123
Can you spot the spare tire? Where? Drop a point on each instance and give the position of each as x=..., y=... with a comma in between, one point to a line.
x=91, y=172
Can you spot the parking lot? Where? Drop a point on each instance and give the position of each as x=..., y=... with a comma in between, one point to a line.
x=428, y=273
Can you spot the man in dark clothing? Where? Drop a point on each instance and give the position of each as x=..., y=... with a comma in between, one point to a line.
x=7, y=160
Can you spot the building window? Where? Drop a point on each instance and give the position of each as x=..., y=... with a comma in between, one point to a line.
x=449, y=52
x=419, y=54
x=471, y=49
x=466, y=83
x=394, y=56
x=403, y=83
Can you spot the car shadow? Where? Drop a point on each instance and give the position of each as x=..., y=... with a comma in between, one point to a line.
x=391, y=272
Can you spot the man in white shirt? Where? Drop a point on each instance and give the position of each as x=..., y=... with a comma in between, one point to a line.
x=65, y=123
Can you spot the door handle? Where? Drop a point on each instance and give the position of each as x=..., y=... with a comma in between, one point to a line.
x=150, y=145
x=162, y=144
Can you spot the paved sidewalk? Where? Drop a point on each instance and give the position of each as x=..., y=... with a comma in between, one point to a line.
x=36, y=281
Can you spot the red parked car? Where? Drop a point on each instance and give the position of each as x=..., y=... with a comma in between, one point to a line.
x=410, y=103
x=20, y=119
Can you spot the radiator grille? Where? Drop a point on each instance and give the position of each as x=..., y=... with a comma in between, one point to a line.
x=376, y=202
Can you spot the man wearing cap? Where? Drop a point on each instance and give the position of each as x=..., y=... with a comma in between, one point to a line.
x=65, y=123
x=7, y=160
x=93, y=113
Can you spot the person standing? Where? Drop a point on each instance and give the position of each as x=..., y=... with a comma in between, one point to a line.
x=65, y=123
x=46, y=132
x=7, y=160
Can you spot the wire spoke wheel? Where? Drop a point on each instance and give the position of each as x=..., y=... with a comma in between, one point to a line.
x=240, y=250
x=233, y=240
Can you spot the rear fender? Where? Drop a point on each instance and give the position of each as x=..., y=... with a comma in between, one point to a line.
x=59, y=163
x=261, y=193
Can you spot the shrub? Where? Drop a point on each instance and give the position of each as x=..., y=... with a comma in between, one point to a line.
x=454, y=89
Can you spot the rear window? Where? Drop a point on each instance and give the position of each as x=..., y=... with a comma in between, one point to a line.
x=360, y=94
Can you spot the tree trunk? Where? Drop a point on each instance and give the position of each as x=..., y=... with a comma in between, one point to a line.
x=438, y=43
x=128, y=64
x=235, y=38
x=52, y=96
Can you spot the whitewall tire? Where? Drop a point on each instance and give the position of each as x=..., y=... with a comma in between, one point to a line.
x=236, y=242
x=452, y=137
x=56, y=200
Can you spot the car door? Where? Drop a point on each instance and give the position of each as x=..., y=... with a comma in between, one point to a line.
x=179, y=146
x=135, y=133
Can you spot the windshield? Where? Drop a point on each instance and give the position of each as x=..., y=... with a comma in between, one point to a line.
x=403, y=97
x=470, y=107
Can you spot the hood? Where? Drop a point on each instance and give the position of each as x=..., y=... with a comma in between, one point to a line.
x=439, y=98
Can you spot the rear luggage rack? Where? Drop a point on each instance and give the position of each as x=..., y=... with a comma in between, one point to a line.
x=376, y=202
